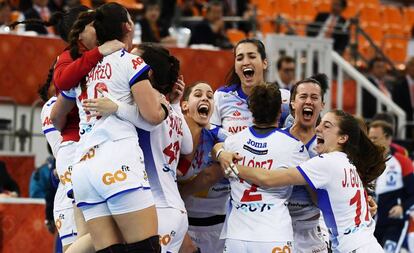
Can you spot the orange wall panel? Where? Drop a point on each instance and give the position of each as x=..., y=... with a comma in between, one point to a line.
x=25, y=62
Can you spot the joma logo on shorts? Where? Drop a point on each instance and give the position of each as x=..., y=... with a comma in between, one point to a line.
x=118, y=176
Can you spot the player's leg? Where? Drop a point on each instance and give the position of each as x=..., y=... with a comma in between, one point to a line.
x=188, y=245
x=102, y=227
x=82, y=244
x=136, y=220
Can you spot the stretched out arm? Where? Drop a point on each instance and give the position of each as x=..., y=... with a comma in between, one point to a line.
x=271, y=178
x=68, y=72
x=108, y=105
x=149, y=102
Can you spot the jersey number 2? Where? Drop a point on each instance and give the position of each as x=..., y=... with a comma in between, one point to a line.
x=248, y=196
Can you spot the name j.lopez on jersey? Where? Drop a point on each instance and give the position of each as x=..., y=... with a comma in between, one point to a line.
x=351, y=178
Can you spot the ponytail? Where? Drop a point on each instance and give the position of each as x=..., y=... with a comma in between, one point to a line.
x=367, y=157
x=43, y=91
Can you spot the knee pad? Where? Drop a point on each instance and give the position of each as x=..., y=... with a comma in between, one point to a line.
x=116, y=248
x=149, y=245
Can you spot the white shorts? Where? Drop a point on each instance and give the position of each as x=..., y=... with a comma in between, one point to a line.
x=125, y=202
x=308, y=237
x=172, y=227
x=236, y=246
x=111, y=168
x=207, y=238
x=61, y=200
x=65, y=224
x=64, y=163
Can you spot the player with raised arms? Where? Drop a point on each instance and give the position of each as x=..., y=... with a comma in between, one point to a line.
x=106, y=187
x=161, y=145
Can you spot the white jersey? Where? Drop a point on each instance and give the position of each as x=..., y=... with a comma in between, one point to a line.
x=53, y=136
x=261, y=212
x=231, y=111
x=162, y=147
x=391, y=180
x=54, y=139
x=116, y=73
x=301, y=206
x=342, y=199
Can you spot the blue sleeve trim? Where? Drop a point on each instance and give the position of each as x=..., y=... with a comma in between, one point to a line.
x=283, y=131
x=306, y=177
x=49, y=130
x=51, y=102
x=135, y=77
x=310, y=142
x=229, y=88
x=67, y=97
x=68, y=235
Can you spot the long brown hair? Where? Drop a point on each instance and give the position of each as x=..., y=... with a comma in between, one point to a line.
x=367, y=157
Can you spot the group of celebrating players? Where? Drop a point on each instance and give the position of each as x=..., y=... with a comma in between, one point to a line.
x=148, y=164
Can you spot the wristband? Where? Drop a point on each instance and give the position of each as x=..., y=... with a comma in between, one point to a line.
x=164, y=107
x=219, y=152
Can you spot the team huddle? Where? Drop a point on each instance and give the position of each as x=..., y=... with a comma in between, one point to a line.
x=148, y=164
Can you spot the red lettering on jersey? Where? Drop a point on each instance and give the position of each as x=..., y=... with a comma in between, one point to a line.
x=236, y=129
x=100, y=72
x=47, y=121
x=175, y=125
x=136, y=62
x=351, y=178
x=172, y=151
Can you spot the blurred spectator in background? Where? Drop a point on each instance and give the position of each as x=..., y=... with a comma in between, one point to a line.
x=394, y=191
x=377, y=68
x=40, y=181
x=8, y=187
x=211, y=31
x=5, y=15
x=38, y=10
x=190, y=8
x=152, y=28
x=332, y=25
x=43, y=184
x=168, y=11
x=391, y=119
x=285, y=72
x=403, y=92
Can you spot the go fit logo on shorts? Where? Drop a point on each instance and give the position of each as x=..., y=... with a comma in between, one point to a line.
x=119, y=176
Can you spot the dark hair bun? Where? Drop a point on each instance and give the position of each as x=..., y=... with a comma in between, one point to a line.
x=322, y=79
